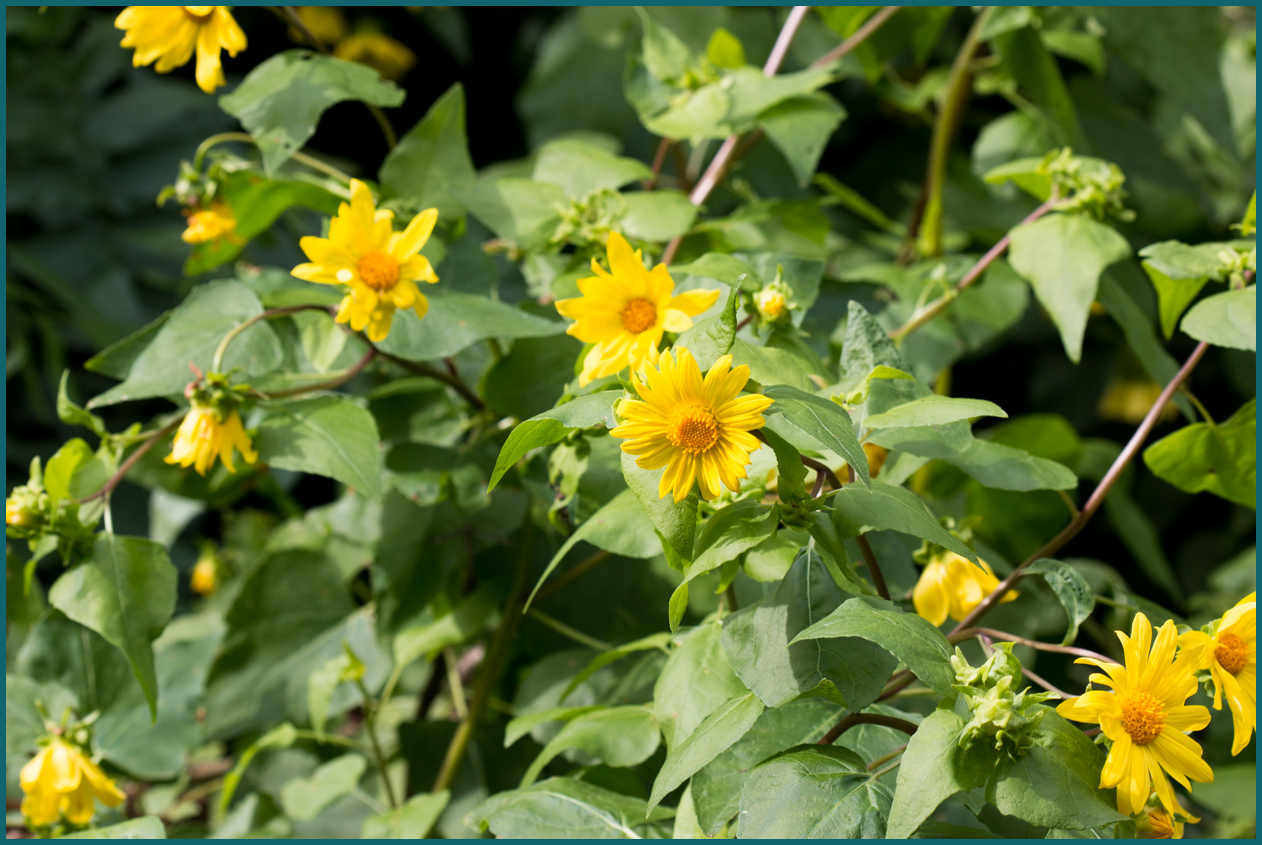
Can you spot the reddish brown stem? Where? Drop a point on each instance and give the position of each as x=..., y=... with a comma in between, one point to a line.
x=849, y=721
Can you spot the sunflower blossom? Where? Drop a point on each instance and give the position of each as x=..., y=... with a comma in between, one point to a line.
x=625, y=311
x=168, y=35
x=61, y=781
x=379, y=265
x=951, y=585
x=697, y=429
x=1146, y=717
x=209, y=224
x=1231, y=656
x=205, y=435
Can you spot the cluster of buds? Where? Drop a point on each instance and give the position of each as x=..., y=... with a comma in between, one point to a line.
x=773, y=301
x=997, y=715
x=588, y=221
x=1089, y=184
x=46, y=522
x=210, y=218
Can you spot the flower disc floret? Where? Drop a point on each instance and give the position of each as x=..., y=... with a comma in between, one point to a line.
x=61, y=781
x=379, y=266
x=169, y=35
x=1230, y=654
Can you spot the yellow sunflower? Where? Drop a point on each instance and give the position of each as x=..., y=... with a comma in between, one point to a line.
x=625, y=311
x=1146, y=717
x=951, y=585
x=209, y=224
x=168, y=35
x=203, y=436
x=379, y=265
x=697, y=429
x=1231, y=656
x=61, y=781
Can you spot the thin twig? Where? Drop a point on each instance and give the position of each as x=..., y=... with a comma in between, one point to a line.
x=851, y=719
x=823, y=472
x=422, y=369
x=370, y=728
x=878, y=577
x=1045, y=684
x=659, y=158
x=337, y=381
x=995, y=634
x=125, y=466
x=567, y=631
x=860, y=35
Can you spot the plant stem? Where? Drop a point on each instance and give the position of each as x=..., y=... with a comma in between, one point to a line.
x=880, y=760
x=300, y=157
x=454, y=684
x=1097, y=496
x=337, y=381
x=421, y=369
x=822, y=472
x=851, y=719
x=370, y=728
x=1045, y=684
x=874, y=568
x=566, y=631
x=216, y=361
x=933, y=309
x=870, y=26
x=135, y=456
x=996, y=634
x=659, y=158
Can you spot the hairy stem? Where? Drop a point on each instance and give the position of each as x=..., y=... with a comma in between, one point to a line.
x=995, y=634
x=125, y=466
x=851, y=719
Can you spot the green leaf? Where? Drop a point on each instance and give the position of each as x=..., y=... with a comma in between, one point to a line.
x=522, y=211
x=581, y=168
x=824, y=420
x=657, y=215
x=676, y=522
x=813, y=792
x=552, y=426
x=768, y=365
x=731, y=532
x=1225, y=319
x=725, y=50
x=800, y=128
x=1071, y=589
x=430, y=166
x=1220, y=459
x=728, y=269
x=600, y=661
x=756, y=639
x=1040, y=84
x=664, y=54
x=752, y=93
x=711, y=338
x=320, y=686
x=280, y=101
x=126, y=593
x=145, y=827
x=931, y=770
x=189, y=335
x=564, y=808
x=281, y=736
x=73, y=414
x=1062, y=256
x=325, y=435
x=616, y=736
x=305, y=798
x=522, y=725
x=458, y=320
x=433, y=631
x=74, y=472
x=885, y=507
x=413, y=819
x=791, y=484
x=695, y=681
x=918, y=644
x=933, y=410
x=726, y=724
x=1178, y=272
x=993, y=464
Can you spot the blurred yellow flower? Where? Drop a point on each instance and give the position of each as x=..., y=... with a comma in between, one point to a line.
x=389, y=57
x=204, y=435
x=1145, y=716
x=951, y=585
x=61, y=781
x=326, y=24
x=698, y=430
x=1231, y=656
x=771, y=303
x=1129, y=400
x=625, y=311
x=209, y=224
x=168, y=35
x=380, y=266
x=205, y=576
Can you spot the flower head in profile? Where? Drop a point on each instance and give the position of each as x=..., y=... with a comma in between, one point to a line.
x=389, y=57
x=694, y=429
x=1145, y=715
x=206, y=434
x=209, y=224
x=951, y=585
x=379, y=266
x=169, y=35
x=625, y=311
x=1230, y=654
x=1158, y=823
x=60, y=781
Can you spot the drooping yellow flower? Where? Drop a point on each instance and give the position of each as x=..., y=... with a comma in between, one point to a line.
x=379, y=265
x=389, y=57
x=1146, y=717
x=697, y=429
x=61, y=781
x=625, y=311
x=1157, y=823
x=326, y=24
x=1231, y=656
x=951, y=585
x=203, y=436
x=209, y=224
x=205, y=576
x=168, y=35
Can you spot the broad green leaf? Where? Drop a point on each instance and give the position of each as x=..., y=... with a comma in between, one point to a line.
x=126, y=593
x=413, y=819
x=695, y=115
x=710, y=338
x=531, y=377
x=526, y=724
x=1071, y=589
x=189, y=335
x=728, y=269
x=430, y=166
x=657, y=215
x=522, y=211
x=432, y=631
x=752, y=93
x=884, y=507
x=1062, y=256
x=145, y=827
x=1178, y=272
x=918, y=644
x=730, y=533
x=931, y=770
x=993, y=464
x=800, y=128
x=320, y=686
x=325, y=435
x=933, y=410
x=791, y=482
x=600, y=661
x=74, y=472
x=1225, y=319
x=581, y=168
x=305, y=798
x=616, y=736
x=280, y=101
x=458, y=320
x=1220, y=459
x=676, y=522
x=694, y=682
x=768, y=365
x=826, y=421
x=71, y=413
x=726, y=724
x=281, y=736
x=564, y=808
x=756, y=639
x=664, y=53
x=1040, y=84
x=725, y=50
x=829, y=790
x=552, y=426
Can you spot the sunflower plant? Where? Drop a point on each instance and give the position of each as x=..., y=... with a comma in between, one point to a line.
x=722, y=441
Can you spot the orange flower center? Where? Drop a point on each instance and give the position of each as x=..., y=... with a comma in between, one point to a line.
x=378, y=270
x=638, y=315
x=693, y=429
x=1231, y=653
x=199, y=13
x=1142, y=717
